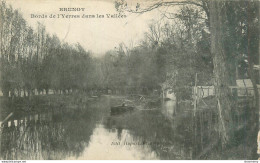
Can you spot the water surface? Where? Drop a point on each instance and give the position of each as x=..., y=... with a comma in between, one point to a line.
x=89, y=131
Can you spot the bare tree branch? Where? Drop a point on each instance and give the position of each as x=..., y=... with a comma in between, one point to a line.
x=161, y=4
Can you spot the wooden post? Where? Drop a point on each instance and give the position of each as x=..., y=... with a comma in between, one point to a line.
x=6, y=119
x=195, y=94
x=258, y=137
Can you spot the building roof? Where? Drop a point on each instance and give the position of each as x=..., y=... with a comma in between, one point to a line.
x=256, y=67
x=244, y=83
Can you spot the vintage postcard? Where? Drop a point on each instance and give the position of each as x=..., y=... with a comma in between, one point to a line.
x=129, y=79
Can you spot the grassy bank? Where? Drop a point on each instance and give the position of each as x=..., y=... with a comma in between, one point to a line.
x=41, y=103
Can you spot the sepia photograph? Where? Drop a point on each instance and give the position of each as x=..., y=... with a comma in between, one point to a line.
x=129, y=80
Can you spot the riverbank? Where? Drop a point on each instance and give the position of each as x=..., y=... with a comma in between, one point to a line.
x=242, y=144
x=41, y=103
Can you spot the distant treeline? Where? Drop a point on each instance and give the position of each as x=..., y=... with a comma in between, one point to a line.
x=170, y=55
x=32, y=59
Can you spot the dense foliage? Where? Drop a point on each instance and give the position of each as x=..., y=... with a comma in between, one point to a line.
x=173, y=50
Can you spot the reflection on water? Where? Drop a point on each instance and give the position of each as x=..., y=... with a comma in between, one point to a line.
x=169, y=109
x=107, y=144
x=90, y=132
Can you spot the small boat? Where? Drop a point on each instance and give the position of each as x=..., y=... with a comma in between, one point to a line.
x=121, y=109
x=167, y=99
x=94, y=97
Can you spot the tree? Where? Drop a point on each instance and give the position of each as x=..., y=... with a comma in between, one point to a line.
x=32, y=60
x=223, y=44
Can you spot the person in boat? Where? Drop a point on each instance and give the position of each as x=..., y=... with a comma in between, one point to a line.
x=124, y=104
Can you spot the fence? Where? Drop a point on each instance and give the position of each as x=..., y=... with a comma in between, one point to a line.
x=203, y=91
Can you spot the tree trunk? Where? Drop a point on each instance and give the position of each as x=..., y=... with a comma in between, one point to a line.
x=24, y=92
x=5, y=92
x=19, y=92
x=254, y=112
x=258, y=75
x=221, y=71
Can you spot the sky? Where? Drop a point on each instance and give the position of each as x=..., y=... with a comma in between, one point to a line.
x=95, y=34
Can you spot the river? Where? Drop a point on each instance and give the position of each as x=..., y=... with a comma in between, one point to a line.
x=89, y=131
